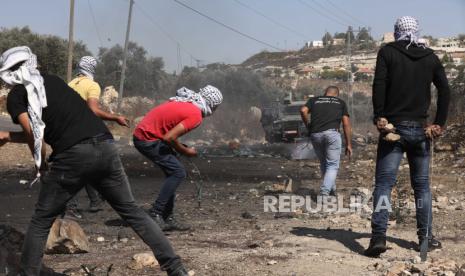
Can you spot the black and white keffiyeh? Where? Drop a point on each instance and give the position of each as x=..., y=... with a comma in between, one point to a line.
x=407, y=28
x=86, y=66
x=27, y=75
x=207, y=100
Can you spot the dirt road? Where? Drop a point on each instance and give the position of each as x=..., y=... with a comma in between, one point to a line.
x=232, y=234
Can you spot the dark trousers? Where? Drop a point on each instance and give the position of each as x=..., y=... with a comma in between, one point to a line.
x=92, y=193
x=97, y=163
x=164, y=156
x=417, y=146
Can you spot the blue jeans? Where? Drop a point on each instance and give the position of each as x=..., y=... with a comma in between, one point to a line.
x=163, y=156
x=413, y=142
x=327, y=145
x=97, y=163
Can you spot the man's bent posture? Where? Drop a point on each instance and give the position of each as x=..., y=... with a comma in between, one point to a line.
x=83, y=152
x=404, y=72
x=327, y=112
x=156, y=137
x=90, y=91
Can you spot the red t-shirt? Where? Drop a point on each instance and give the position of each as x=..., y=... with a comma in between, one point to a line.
x=166, y=116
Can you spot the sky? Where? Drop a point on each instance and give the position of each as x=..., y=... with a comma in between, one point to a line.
x=164, y=26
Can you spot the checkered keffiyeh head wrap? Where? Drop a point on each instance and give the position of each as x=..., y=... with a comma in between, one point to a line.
x=212, y=96
x=207, y=100
x=407, y=28
x=29, y=76
x=86, y=66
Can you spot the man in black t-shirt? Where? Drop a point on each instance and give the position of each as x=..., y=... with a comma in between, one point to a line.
x=327, y=112
x=83, y=152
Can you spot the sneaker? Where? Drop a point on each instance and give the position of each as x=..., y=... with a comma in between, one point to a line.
x=159, y=220
x=376, y=247
x=72, y=213
x=172, y=224
x=433, y=244
x=97, y=206
x=180, y=271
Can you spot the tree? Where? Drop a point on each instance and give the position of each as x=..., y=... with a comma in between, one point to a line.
x=327, y=39
x=363, y=36
x=350, y=34
x=143, y=74
x=51, y=51
x=340, y=35
x=445, y=59
x=461, y=38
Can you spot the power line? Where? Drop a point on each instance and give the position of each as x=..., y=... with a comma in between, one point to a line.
x=344, y=12
x=322, y=14
x=271, y=19
x=228, y=27
x=166, y=33
x=330, y=13
x=95, y=23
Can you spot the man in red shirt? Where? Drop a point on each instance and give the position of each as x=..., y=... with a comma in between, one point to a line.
x=156, y=137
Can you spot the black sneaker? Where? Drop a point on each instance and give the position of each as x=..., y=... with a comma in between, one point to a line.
x=159, y=220
x=376, y=247
x=433, y=244
x=180, y=271
x=172, y=224
x=97, y=206
x=72, y=213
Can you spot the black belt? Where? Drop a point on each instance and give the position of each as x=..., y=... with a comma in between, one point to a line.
x=411, y=124
x=97, y=139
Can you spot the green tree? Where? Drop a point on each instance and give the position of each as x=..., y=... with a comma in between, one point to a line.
x=340, y=35
x=144, y=74
x=363, y=36
x=327, y=39
x=350, y=34
x=446, y=59
x=51, y=51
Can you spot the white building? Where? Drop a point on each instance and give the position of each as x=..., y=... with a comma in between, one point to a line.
x=315, y=44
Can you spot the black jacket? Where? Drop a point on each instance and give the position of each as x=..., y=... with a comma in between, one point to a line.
x=402, y=84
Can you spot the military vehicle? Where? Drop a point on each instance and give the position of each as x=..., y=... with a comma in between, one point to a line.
x=282, y=122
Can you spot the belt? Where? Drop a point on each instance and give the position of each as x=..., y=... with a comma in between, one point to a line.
x=97, y=139
x=411, y=124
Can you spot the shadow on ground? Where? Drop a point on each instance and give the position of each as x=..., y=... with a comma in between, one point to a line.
x=346, y=237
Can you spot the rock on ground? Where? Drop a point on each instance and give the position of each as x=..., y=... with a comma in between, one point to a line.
x=66, y=237
x=141, y=260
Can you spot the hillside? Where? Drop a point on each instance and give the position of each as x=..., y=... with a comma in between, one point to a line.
x=293, y=59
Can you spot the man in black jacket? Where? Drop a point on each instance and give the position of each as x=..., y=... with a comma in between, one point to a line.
x=83, y=152
x=404, y=72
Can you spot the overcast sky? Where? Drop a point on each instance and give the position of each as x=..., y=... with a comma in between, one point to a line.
x=290, y=23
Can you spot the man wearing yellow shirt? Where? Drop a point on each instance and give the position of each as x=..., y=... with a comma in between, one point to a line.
x=89, y=90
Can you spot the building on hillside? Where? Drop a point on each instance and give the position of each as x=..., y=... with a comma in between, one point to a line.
x=388, y=37
x=456, y=53
x=366, y=70
x=339, y=41
x=315, y=44
x=447, y=43
x=307, y=72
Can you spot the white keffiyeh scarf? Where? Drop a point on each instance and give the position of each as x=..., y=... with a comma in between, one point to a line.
x=27, y=75
x=208, y=98
x=407, y=28
x=86, y=66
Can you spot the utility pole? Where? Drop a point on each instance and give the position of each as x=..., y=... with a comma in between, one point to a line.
x=70, y=41
x=125, y=55
x=350, y=79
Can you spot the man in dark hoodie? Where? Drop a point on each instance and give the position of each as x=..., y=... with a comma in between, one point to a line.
x=404, y=72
